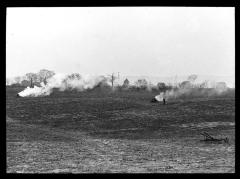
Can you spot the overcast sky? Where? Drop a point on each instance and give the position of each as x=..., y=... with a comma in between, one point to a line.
x=154, y=41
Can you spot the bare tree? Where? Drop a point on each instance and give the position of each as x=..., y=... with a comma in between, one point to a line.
x=186, y=84
x=161, y=86
x=141, y=83
x=32, y=76
x=75, y=76
x=192, y=78
x=25, y=83
x=126, y=83
x=44, y=75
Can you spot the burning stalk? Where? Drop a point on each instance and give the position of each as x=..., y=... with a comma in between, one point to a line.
x=159, y=98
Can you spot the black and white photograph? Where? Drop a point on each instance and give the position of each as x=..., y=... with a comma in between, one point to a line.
x=145, y=89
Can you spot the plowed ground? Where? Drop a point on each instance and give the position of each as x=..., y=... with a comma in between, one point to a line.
x=99, y=132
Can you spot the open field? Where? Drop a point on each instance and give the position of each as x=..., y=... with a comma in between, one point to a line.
x=117, y=132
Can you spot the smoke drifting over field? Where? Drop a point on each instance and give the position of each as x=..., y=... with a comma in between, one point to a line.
x=63, y=82
x=75, y=81
x=192, y=89
x=183, y=93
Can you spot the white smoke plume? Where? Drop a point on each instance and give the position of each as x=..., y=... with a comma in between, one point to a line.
x=190, y=89
x=63, y=82
x=181, y=93
x=160, y=97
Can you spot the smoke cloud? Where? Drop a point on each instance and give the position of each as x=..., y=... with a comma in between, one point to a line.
x=75, y=81
x=183, y=93
x=62, y=83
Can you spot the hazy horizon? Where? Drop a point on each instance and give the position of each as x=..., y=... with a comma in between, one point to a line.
x=229, y=80
x=135, y=41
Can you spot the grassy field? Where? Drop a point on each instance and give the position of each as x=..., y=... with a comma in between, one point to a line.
x=99, y=131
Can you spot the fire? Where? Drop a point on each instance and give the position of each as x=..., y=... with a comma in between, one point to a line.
x=159, y=97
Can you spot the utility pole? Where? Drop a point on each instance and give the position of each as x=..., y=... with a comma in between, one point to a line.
x=112, y=78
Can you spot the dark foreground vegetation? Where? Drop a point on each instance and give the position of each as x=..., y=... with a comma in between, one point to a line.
x=104, y=131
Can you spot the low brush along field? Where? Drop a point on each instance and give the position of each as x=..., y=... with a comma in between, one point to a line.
x=104, y=132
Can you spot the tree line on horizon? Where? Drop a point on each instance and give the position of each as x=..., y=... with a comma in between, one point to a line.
x=141, y=84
